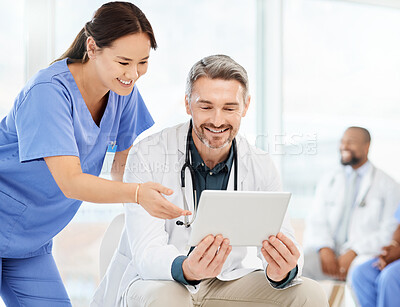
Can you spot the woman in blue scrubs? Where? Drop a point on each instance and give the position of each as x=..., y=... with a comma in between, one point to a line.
x=53, y=143
x=377, y=282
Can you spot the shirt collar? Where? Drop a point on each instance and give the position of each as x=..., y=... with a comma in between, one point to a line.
x=198, y=163
x=361, y=171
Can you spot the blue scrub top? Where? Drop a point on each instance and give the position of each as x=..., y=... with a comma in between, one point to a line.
x=50, y=118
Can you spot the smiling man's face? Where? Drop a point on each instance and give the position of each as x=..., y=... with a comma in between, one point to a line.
x=216, y=107
x=354, y=147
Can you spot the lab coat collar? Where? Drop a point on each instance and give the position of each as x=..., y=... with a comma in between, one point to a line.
x=364, y=169
x=361, y=171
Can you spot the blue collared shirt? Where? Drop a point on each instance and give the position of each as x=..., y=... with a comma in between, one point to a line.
x=361, y=172
x=210, y=179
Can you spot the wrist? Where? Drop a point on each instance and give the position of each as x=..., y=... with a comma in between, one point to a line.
x=352, y=252
x=129, y=191
x=325, y=250
x=394, y=243
x=276, y=278
x=137, y=193
x=186, y=271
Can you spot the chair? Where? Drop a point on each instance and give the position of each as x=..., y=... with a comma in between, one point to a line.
x=110, y=242
x=337, y=294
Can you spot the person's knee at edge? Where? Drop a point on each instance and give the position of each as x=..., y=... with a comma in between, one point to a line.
x=170, y=294
x=312, y=292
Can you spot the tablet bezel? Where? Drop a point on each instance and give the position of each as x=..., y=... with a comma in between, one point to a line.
x=255, y=216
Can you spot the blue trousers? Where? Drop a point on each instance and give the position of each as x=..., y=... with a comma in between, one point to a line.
x=33, y=282
x=375, y=288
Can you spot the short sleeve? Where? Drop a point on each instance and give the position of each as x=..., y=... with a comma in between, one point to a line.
x=135, y=119
x=44, y=123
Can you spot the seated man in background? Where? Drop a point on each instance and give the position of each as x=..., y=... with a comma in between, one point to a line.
x=377, y=282
x=352, y=217
x=154, y=265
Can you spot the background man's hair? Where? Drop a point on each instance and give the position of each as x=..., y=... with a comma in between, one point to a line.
x=364, y=131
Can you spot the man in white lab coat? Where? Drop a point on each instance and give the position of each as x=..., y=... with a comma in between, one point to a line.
x=154, y=265
x=353, y=213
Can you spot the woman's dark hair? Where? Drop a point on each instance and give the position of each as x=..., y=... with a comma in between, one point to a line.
x=111, y=21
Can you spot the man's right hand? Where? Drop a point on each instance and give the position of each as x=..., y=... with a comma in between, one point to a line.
x=329, y=262
x=207, y=259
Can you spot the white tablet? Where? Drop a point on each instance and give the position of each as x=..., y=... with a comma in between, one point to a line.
x=246, y=218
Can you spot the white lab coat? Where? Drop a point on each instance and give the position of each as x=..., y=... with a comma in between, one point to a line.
x=149, y=245
x=372, y=222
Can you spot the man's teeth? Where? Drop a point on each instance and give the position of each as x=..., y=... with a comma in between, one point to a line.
x=217, y=131
x=125, y=82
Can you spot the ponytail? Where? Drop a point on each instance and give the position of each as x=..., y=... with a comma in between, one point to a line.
x=77, y=51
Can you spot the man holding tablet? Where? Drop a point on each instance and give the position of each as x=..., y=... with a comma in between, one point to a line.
x=154, y=264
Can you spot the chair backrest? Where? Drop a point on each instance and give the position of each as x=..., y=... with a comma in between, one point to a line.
x=110, y=242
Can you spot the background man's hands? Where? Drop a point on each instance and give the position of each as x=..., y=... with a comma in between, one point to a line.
x=344, y=262
x=281, y=255
x=329, y=262
x=337, y=267
x=207, y=259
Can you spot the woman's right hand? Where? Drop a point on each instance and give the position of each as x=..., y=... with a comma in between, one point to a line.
x=151, y=199
x=389, y=254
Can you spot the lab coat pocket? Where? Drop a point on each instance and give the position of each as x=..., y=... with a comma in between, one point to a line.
x=10, y=211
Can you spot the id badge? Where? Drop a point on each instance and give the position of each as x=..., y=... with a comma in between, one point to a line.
x=112, y=147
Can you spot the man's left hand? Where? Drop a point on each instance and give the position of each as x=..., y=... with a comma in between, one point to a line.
x=344, y=261
x=281, y=255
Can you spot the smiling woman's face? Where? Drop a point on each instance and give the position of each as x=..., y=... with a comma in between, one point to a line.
x=119, y=66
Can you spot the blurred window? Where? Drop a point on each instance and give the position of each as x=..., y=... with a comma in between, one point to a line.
x=341, y=67
x=12, y=55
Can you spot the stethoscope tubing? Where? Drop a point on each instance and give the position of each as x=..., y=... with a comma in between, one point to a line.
x=188, y=165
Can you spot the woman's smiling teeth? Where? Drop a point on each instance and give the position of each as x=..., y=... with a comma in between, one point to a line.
x=125, y=82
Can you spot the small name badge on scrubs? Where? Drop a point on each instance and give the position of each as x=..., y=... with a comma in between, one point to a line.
x=112, y=147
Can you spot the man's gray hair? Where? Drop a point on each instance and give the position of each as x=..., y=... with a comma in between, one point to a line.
x=218, y=67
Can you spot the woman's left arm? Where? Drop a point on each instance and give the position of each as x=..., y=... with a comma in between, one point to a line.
x=118, y=165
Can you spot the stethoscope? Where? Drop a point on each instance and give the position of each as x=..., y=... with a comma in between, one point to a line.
x=363, y=200
x=188, y=165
